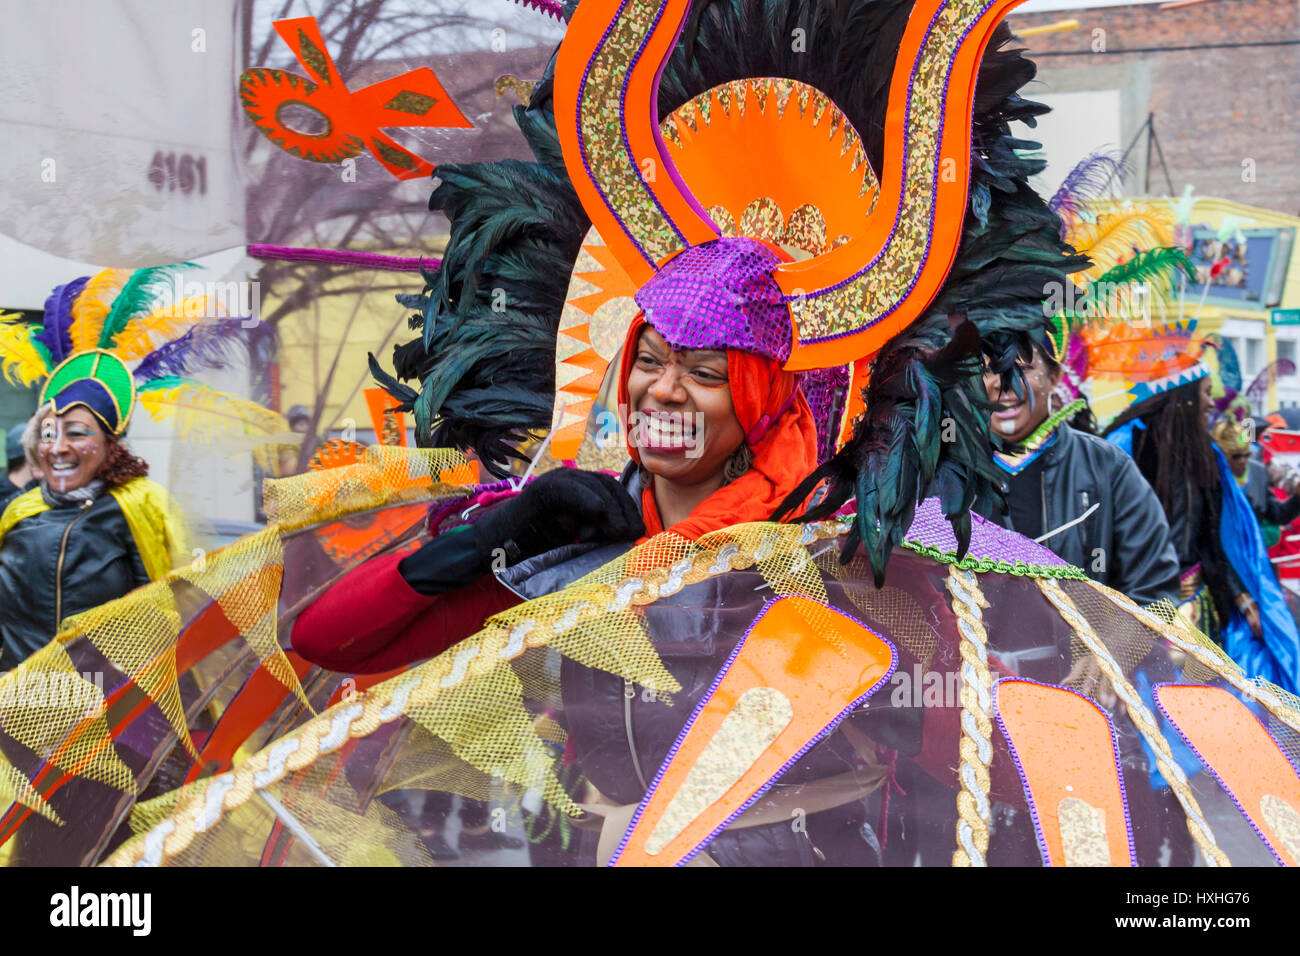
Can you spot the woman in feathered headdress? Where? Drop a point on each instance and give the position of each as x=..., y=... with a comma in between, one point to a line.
x=1229, y=589
x=743, y=335
x=811, y=279
x=97, y=527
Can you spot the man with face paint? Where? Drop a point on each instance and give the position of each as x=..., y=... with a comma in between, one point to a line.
x=1074, y=492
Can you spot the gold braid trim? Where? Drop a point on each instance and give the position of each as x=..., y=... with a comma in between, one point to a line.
x=976, y=747
x=1142, y=719
x=1223, y=666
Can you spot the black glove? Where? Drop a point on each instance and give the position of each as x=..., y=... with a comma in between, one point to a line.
x=560, y=507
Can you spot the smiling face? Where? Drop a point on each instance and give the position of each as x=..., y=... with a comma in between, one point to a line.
x=71, y=448
x=1017, y=417
x=681, y=416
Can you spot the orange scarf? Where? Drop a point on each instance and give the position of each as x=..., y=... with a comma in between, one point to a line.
x=768, y=408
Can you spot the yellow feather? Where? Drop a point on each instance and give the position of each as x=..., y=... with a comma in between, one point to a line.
x=1112, y=238
x=92, y=306
x=204, y=413
x=146, y=333
x=23, y=362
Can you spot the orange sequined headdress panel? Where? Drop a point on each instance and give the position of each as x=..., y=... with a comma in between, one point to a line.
x=838, y=306
x=1151, y=360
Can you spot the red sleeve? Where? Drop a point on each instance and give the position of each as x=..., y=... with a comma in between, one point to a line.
x=371, y=620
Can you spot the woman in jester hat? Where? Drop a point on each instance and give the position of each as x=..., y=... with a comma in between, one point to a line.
x=97, y=527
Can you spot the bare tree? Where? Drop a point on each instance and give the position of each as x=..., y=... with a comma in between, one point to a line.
x=293, y=202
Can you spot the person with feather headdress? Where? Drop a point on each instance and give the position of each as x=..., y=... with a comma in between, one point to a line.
x=1076, y=492
x=97, y=527
x=1228, y=587
x=491, y=376
x=1066, y=487
x=737, y=383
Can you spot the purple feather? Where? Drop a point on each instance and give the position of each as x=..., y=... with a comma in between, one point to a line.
x=1089, y=179
x=57, y=334
x=210, y=345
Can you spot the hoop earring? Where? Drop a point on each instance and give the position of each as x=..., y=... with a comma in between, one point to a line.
x=740, y=462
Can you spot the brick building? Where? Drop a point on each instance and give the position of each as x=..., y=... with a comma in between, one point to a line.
x=1222, y=79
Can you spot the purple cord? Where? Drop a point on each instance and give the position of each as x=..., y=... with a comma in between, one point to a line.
x=343, y=257
x=482, y=495
x=550, y=7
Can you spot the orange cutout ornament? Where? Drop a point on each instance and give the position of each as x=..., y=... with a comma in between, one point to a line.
x=800, y=669
x=353, y=119
x=1234, y=746
x=1074, y=790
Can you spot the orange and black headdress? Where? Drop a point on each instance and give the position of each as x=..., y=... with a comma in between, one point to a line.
x=679, y=145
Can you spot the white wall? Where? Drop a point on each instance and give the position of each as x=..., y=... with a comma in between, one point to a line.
x=1080, y=123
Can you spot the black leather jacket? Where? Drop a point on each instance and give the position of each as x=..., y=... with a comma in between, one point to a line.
x=1125, y=544
x=58, y=563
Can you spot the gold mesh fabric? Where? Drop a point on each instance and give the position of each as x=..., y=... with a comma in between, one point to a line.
x=476, y=718
x=486, y=719
x=49, y=708
x=889, y=608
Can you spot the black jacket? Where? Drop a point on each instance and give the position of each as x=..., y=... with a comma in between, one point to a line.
x=1125, y=544
x=622, y=735
x=58, y=563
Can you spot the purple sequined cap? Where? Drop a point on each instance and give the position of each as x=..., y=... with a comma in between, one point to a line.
x=720, y=295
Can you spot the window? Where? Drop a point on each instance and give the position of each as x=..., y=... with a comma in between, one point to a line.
x=1286, y=351
x=1254, y=358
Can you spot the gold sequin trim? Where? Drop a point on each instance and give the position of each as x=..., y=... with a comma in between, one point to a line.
x=1284, y=821
x=723, y=219
x=807, y=229
x=858, y=304
x=617, y=174
x=762, y=219
x=1083, y=833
